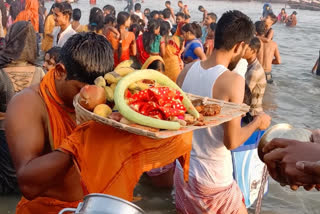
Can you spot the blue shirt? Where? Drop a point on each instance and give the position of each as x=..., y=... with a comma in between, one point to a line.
x=190, y=46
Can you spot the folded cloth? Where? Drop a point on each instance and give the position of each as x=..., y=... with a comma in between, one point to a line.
x=193, y=197
x=158, y=102
x=111, y=161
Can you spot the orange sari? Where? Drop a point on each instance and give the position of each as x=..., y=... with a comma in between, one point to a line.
x=30, y=14
x=61, y=126
x=125, y=45
x=111, y=161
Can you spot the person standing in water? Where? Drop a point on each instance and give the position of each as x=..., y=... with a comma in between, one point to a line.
x=282, y=16
x=316, y=67
x=291, y=21
x=211, y=187
x=269, y=52
x=255, y=77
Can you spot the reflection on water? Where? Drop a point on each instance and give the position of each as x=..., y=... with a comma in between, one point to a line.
x=293, y=98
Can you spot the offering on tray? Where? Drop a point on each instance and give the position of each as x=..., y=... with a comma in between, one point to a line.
x=146, y=102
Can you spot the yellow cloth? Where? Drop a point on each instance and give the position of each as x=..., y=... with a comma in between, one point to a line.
x=48, y=28
x=150, y=60
x=85, y=28
x=172, y=58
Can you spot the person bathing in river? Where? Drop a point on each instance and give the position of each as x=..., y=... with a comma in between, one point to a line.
x=269, y=52
x=255, y=78
x=269, y=20
x=44, y=139
x=282, y=16
x=316, y=67
x=211, y=187
x=291, y=21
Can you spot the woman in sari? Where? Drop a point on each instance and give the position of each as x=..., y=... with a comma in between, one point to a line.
x=193, y=46
x=49, y=24
x=17, y=71
x=148, y=44
x=125, y=45
x=96, y=22
x=171, y=49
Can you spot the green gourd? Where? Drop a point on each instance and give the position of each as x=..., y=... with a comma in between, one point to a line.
x=138, y=118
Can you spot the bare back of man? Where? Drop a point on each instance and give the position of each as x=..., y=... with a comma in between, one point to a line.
x=34, y=131
x=270, y=55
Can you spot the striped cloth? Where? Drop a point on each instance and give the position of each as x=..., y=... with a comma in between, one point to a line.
x=194, y=198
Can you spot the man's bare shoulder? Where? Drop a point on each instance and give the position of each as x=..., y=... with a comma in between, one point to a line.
x=226, y=84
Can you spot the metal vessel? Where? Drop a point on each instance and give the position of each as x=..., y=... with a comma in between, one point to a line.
x=283, y=130
x=104, y=204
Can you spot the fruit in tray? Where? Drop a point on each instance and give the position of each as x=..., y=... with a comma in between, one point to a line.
x=91, y=96
x=144, y=97
x=134, y=116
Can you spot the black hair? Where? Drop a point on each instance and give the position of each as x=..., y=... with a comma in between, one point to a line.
x=110, y=8
x=87, y=56
x=213, y=26
x=121, y=20
x=96, y=19
x=255, y=44
x=180, y=2
x=294, y=12
x=260, y=28
x=136, y=29
x=273, y=17
x=164, y=28
x=149, y=36
x=137, y=6
x=54, y=53
x=65, y=8
x=153, y=14
x=157, y=65
x=166, y=13
x=283, y=9
x=109, y=19
x=213, y=16
x=194, y=28
x=147, y=9
x=76, y=14
x=200, y=7
x=181, y=15
x=186, y=16
x=168, y=2
x=134, y=18
x=232, y=28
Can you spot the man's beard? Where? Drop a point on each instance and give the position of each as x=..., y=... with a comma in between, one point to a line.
x=234, y=62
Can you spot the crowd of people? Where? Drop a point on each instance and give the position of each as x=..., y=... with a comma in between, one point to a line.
x=54, y=163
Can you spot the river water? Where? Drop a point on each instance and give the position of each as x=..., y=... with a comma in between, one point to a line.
x=293, y=98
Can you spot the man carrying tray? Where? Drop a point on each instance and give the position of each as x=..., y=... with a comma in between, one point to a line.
x=211, y=188
x=40, y=118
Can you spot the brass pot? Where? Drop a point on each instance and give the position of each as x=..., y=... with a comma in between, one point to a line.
x=285, y=131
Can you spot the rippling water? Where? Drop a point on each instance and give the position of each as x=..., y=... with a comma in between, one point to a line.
x=293, y=98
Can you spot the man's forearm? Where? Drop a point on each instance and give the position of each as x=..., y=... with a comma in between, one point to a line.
x=43, y=172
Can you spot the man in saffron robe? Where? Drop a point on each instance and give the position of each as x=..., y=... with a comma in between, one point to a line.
x=39, y=120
